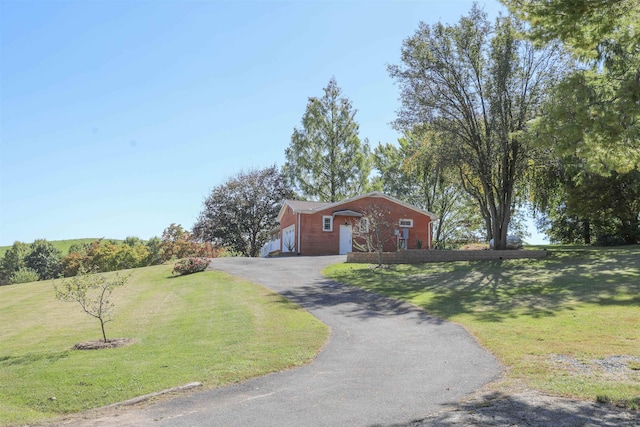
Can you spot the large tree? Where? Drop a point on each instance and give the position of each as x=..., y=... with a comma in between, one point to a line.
x=326, y=160
x=594, y=113
x=583, y=207
x=13, y=261
x=240, y=213
x=476, y=86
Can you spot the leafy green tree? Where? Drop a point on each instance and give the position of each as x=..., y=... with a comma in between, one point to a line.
x=239, y=213
x=13, y=261
x=594, y=113
x=476, y=86
x=93, y=292
x=326, y=160
x=410, y=171
x=44, y=258
x=154, y=246
x=79, y=247
x=578, y=206
x=131, y=256
x=132, y=241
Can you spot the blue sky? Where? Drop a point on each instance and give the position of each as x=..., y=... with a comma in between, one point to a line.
x=117, y=118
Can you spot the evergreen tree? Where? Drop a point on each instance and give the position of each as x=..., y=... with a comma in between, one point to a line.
x=326, y=160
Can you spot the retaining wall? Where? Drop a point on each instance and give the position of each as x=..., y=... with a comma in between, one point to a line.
x=420, y=256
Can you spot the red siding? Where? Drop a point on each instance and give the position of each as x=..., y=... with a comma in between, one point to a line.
x=315, y=241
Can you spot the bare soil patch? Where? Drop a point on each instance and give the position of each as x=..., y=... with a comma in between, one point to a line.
x=528, y=408
x=100, y=344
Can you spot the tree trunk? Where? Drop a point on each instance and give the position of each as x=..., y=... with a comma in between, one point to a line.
x=586, y=231
x=104, y=335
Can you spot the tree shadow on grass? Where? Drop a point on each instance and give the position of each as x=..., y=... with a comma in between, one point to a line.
x=496, y=290
x=31, y=358
x=354, y=302
x=529, y=409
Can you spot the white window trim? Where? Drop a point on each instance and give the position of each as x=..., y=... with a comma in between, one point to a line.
x=409, y=222
x=324, y=217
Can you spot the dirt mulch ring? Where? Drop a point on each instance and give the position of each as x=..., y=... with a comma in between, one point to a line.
x=99, y=344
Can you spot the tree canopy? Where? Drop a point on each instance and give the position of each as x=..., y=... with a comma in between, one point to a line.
x=326, y=160
x=594, y=113
x=475, y=86
x=240, y=213
x=411, y=172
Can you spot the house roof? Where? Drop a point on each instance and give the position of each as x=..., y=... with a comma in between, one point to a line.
x=303, y=207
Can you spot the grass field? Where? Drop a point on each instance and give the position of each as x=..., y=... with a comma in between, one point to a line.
x=208, y=327
x=552, y=321
x=62, y=245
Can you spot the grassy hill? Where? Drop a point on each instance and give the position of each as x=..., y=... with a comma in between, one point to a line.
x=208, y=327
x=62, y=245
x=567, y=324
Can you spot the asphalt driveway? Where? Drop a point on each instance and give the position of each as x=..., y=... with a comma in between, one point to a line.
x=385, y=363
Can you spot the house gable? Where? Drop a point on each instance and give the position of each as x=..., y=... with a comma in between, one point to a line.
x=317, y=225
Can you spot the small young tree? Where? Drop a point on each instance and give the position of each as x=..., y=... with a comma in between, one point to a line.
x=373, y=230
x=93, y=292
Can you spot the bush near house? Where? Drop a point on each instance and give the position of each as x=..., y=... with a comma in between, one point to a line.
x=190, y=265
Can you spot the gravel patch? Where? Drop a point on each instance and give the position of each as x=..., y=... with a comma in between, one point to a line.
x=625, y=368
x=529, y=409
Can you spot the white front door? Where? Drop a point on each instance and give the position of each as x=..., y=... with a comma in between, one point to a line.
x=345, y=239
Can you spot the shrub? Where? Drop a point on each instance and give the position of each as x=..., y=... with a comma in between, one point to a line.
x=190, y=265
x=24, y=275
x=227, y=252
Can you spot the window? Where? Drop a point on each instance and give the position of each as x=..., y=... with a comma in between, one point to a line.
x=407, y=223
x=327, y=223
x=364, y=225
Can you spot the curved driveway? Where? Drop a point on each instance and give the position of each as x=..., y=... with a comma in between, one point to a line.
x=385, y=363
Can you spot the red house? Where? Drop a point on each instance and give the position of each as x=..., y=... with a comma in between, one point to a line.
x=322, y=228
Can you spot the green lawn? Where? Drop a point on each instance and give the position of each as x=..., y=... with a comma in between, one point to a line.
x=550, y=321
x=62, y=245
x=208, y=327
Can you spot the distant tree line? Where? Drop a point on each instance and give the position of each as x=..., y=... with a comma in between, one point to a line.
x=41, y=260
